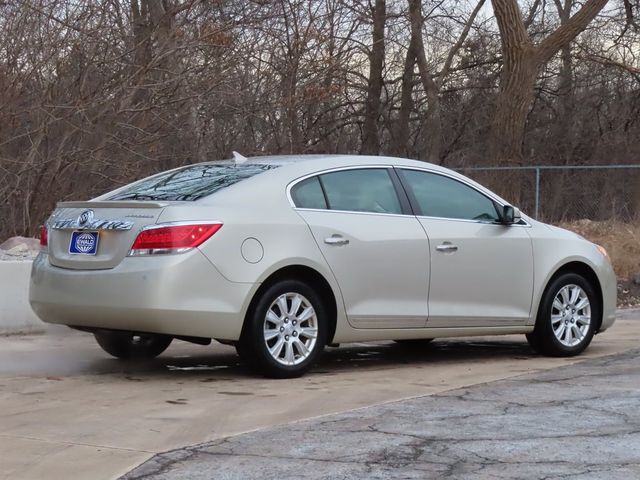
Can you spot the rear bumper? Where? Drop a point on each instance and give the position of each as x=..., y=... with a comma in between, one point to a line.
x=175, y=295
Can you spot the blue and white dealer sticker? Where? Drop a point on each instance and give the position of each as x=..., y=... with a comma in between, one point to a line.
x=83, y=243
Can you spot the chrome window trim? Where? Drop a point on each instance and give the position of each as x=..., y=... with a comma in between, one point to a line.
x=294, y=182
x=497, y=224
x=326, y=210
x=473, y=187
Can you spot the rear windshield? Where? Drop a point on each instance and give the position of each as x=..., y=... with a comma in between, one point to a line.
x=190, y=183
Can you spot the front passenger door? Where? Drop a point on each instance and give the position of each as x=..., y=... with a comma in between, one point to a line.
x=481, y=270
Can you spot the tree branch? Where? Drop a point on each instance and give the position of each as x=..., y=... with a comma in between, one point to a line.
x=565, y=33
x=532, y=14
x=456, y=47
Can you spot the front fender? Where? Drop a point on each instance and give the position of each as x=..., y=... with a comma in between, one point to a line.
x=552, y=255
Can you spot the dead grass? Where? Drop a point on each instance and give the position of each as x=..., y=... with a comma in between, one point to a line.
x=622, y=241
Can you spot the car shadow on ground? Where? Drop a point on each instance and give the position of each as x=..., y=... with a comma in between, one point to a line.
x=222, y=362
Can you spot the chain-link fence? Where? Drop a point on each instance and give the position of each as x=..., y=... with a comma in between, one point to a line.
x=565, y=193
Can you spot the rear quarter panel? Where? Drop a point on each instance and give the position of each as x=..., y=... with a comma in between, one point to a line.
x=274, y=236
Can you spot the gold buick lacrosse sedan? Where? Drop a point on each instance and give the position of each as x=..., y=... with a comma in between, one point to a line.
x=283, y=255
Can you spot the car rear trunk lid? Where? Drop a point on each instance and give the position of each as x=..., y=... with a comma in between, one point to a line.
x=117, y=224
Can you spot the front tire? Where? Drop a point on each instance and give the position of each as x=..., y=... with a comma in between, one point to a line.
x=567, y=317
x=127, y=345
x=285, y=331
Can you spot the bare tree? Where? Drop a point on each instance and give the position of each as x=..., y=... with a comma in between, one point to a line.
x=431, y=81
x=522, y=60
x=96, y=94
x=370, y=137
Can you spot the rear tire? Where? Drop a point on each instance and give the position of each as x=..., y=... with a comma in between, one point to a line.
x=127, y=345
x=567, y=317
x=286, y=330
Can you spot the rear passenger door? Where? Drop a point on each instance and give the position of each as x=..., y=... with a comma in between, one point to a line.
x=375, y=247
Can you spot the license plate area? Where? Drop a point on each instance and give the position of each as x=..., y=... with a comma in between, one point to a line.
x=84, y=243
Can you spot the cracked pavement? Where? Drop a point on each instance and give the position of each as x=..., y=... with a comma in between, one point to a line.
x=576, y=421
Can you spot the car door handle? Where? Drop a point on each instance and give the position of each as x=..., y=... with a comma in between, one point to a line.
x=336, y=240
x=447, y=247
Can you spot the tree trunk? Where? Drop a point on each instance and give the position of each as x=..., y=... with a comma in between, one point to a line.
x=565, y=130
x=514, y=100
x=521, y=62
x=162, y=21
x=431, y=85
x=433, y=123
x=141, y=48
x=371, y=140
x=400, y=147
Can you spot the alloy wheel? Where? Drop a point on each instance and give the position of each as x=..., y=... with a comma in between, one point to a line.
x=290, y=328
x=570, y=315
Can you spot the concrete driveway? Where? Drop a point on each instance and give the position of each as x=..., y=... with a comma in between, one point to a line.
x=67, y=410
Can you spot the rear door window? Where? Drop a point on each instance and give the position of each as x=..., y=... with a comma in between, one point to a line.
x=361, y=190
x=191, y=182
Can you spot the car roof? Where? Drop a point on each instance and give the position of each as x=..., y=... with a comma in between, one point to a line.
x=292, y=167
x=318, y=162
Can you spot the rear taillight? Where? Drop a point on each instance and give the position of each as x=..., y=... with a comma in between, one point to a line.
x=44, y=237
x=172, y=238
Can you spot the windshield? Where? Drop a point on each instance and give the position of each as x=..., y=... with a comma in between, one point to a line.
x=190, y=183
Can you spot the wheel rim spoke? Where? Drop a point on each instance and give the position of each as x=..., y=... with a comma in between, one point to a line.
x=282, y=304
x=306, y=314
x=288, y=355
x=568, y=336
x=557, y=304
x=295, y=305
x=273, y=318
x=584, y=301
x=565, y=296
x=277, y=348
x=309, y=332
x=575, y=293
x=576, y=332
x=270, y=334
x=583, y=320
x=555, y=319
x=302, y=349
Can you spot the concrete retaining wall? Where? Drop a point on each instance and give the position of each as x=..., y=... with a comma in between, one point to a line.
x=16, y=315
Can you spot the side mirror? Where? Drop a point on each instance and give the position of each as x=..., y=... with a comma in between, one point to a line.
x=510, y=215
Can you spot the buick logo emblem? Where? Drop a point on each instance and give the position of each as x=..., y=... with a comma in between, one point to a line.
x=85, y=217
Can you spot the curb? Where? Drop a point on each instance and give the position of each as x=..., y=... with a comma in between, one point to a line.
x=16, y=315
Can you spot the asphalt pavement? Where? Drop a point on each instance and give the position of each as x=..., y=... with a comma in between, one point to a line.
x=580, y=421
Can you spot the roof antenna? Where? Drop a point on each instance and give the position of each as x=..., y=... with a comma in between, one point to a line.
x=239, y=158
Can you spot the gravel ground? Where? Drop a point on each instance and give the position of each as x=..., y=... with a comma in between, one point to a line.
x=628, y=294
